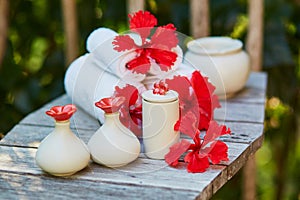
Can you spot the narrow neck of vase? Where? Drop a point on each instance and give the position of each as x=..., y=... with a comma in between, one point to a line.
x=112, y=117
x=62, y=125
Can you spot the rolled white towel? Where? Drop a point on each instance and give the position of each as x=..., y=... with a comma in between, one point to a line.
x=100, y=43
x=118, y=67
x=86, y=84
x=99, y=36
x=72, y=73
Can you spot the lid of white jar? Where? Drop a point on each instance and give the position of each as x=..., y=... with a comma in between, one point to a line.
x=170, y=96
x=215, y=45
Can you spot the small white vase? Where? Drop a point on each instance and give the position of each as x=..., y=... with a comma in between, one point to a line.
x=62, y=153
x=114, y=145
x=160, y=113
x=222, y=60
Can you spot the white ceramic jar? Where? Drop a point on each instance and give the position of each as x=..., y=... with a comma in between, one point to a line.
x=160, y=113
x=62, y=153
x=113, y=145
x=223, y=60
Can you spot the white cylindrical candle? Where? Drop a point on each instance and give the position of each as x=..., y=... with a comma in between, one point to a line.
x=160, y=113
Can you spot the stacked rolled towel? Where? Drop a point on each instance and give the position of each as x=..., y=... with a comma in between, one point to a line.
x=96, y=74
x=87, y=80
x=109, y=59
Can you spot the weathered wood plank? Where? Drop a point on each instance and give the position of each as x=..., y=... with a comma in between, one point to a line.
x=258, y=80
x=30, y=136
x=18, y=160
x=243, y=132
x=254, y=91
x=240, y=112
x=146, y=172
x=18, y=186
x=143, y=171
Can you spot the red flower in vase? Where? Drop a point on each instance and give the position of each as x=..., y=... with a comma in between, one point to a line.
x=62, y=113
x=200, y=153
x=131, y=110
x=156, y=49
x=110, y=104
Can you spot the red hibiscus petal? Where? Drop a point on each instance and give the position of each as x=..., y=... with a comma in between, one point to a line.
x=164, y=38
x=204, y=122
x=218, y=153
x=207, y=101
x=140, y=65
x=214, y=131
x=123, y=43
x=197, y=140
x=176, y=151
x=130, y=121
x=142, y=22
x=165, y=59
x=142, y=19
x=181, y=85
x=169, y=26
x=196, y=163
x=130, y=93
x=187, y=124
x=177, y=125
x=130, y=113
x=56, y=109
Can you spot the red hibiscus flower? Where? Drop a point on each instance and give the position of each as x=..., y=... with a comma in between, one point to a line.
x=195, y=95
x=62, y=113
x=157, y=48
x=200, y=153
x=131, y=110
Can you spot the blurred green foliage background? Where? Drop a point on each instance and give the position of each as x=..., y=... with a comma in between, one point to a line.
x=33, y=69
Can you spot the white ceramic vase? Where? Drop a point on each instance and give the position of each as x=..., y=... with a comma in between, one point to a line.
x=62, y=153
x=223, y=60
x=160, y=113
x=114, y=145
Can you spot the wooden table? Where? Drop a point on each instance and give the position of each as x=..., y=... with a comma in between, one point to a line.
x=21, y=178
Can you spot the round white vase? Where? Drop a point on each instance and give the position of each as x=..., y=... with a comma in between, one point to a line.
x=223, y=60
x=160, y=113
x=114, y=145
x=62, y=153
